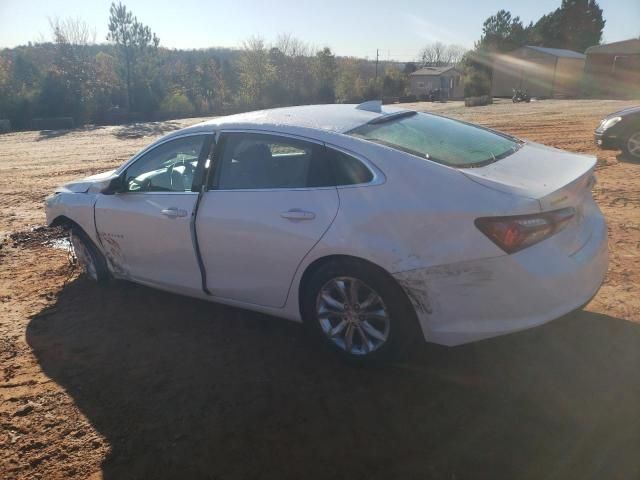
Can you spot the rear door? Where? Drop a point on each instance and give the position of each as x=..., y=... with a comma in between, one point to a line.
x=146, y=230
x=270, y=201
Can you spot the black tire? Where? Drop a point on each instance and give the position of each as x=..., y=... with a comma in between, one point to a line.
x=97, y=270
x=635, y=156
x=403, y=327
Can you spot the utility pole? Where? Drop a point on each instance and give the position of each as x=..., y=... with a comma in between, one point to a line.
x=377, y=56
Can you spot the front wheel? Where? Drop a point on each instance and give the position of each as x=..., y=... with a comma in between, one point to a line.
x=632, y=146
x=88, y=256
x=358, y=311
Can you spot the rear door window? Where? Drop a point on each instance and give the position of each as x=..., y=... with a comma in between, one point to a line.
x=258, y=161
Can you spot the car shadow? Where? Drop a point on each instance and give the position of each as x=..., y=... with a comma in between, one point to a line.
x=182, y=388
x=145, y=129
x=626, y=158
x=51, y=134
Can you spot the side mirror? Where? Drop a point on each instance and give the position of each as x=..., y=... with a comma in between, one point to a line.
x=113, y=185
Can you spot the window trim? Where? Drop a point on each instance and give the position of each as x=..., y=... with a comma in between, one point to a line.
x=139, y=156
x=377, y=178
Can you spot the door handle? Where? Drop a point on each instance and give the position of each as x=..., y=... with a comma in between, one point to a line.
x=173, y=212
x=297, y=214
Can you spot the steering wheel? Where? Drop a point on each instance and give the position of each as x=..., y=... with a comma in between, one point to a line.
x=135, y=186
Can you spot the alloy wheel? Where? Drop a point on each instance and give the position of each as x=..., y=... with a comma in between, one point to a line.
x=633, y=144
x=352, y=315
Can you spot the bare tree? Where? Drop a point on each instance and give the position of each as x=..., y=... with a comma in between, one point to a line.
x=68, y=85
x=72, y=31
x=456, y=54
x=440, y=54
x=73, y=36
x=291, y=46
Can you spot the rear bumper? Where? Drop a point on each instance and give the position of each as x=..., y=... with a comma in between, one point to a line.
x=470, y=301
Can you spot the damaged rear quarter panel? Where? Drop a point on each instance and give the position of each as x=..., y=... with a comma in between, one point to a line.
x=456, y=278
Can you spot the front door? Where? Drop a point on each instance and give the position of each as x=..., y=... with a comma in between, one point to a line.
x=146, y=230
x=270, y=202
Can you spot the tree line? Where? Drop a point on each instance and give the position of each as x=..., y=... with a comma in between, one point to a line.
x=134, y=78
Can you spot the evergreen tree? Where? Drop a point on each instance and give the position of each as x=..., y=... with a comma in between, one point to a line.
x=137, y=46
x=576, y=25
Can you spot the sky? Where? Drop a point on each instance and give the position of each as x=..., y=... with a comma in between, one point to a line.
x=398, y=28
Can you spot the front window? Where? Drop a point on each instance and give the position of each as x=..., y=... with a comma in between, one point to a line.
x=439, y=139
x=169, y=167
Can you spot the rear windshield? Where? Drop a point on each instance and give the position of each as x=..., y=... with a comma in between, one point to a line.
x=440, y=139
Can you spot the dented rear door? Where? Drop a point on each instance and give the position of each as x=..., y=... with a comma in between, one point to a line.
x=269, y=203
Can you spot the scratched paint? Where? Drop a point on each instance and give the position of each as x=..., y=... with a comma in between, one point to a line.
x=113, y=254
x=416, y=283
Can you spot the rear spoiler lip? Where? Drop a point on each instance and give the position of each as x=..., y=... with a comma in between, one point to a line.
x=392, y=116
x=539, y=193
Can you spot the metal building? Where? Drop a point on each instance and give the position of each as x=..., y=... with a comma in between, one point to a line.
x=542, y=72
x=613, y=70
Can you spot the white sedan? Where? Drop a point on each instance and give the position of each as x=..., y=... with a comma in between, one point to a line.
x=370, y=224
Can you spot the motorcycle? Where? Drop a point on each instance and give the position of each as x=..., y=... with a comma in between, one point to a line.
x=520, y=96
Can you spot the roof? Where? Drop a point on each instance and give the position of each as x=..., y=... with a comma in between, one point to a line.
x=338, y=118
x=432, y=71
x=557, y=52
x=625, y=47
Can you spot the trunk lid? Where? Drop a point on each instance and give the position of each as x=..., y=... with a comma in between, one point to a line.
x=553, y=177
x=556, y=179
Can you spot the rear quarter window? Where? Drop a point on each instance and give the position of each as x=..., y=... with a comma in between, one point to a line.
x=348, y=170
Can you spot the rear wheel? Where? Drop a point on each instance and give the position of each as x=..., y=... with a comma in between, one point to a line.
x=358, y=311
x=632, y=146
x=88, y=256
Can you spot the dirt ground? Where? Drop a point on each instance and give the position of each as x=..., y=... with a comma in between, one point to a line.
x=128, y=382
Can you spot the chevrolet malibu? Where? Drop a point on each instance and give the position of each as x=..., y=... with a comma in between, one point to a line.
x=372, y=225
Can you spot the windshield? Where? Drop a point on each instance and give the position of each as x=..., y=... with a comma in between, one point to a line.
x=440, y=139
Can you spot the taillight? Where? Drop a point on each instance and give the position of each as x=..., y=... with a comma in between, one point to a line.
x=516, y=232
